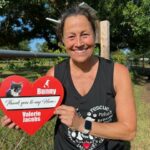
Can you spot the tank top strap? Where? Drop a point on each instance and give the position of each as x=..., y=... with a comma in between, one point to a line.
x=107, y=71
x=61, y=69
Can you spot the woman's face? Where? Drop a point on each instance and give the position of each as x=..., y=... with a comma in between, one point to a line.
x=78, y=38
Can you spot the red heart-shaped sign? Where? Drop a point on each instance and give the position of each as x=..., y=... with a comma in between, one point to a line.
x=30, y=105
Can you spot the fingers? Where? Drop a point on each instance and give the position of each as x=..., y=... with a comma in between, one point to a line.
x=65, y=114
x=65, y=111
x=17, y=127
x=69, y=116
x=64, y=107
x=5, y=121
x=11, y=125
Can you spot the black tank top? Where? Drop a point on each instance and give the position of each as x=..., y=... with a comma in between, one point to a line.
x=98, y=105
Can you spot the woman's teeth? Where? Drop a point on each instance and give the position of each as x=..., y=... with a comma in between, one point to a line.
x=80, y=50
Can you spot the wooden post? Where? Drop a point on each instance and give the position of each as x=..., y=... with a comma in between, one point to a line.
x=97, y=38
x=105, y=39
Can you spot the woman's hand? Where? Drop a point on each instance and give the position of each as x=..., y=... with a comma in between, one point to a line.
x=6, y=122
x=69, y=117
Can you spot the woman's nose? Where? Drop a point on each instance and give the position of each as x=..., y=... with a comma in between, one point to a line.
x=79, y=42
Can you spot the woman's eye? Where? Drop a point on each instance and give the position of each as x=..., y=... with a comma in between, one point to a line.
x=71, y=37
x=84, y=35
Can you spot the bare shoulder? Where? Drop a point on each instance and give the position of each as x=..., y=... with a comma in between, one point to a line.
x=121, y=75
x=120, y=68
x=50, y=72
x=120, y=71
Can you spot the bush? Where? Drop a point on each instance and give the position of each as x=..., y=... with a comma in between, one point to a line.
x=119, y=57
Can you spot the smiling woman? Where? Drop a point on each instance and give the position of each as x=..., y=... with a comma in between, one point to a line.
x=98, y=111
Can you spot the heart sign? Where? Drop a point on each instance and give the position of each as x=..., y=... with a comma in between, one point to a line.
x=30, y=105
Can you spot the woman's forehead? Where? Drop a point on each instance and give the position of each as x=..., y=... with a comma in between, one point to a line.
x=76, y=17
x=79, y=21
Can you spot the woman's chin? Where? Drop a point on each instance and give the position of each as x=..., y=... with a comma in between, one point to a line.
x=81, y=59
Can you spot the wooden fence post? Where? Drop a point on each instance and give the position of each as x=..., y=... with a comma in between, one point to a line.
x=105, y=39
x=97, y=38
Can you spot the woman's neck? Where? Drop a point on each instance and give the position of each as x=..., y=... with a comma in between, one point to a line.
x=83, y=67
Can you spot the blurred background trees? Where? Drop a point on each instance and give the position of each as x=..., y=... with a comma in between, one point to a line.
x=21, y=21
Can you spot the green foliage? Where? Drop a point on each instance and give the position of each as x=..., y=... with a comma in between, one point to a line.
x=12, y=66
x=119, y=57
x=129, y=22
x=42, y=47
x=31, y=63
x=97, y=49
x=24, y=45
x=57, y=60
x=25, y=20
x=136, y=18
x=134, y=75
x=3, y=3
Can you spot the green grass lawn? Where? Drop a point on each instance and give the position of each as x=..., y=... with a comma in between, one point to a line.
x=142, y=140
x=18, y=140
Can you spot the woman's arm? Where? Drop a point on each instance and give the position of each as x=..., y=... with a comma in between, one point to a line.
x=125, y=127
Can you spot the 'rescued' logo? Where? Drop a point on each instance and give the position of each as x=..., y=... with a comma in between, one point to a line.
x=85, y=141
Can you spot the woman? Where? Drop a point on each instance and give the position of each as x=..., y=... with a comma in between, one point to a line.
x=98, y=111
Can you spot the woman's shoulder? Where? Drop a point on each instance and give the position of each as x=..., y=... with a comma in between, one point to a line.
x=120, y=68
x=50, y=72
x=121, y=75
x=60, y=66
x=121, y=72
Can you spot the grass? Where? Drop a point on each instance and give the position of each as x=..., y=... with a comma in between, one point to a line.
x=142, y=140
x=43, y=139
x=18, y=140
